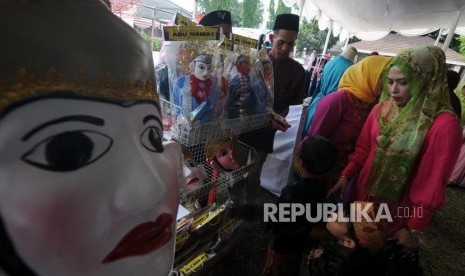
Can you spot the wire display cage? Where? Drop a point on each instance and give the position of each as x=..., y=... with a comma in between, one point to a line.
x=177, y=127
x=218, y=185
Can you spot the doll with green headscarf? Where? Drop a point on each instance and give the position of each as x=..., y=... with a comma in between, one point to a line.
x=409, y=140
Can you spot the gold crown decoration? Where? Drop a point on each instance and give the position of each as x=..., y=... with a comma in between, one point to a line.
x=188, y=50
x=262, y=60
x=26, y=86
x=242, y=50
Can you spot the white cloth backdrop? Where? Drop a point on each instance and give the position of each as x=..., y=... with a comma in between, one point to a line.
x=372, y=19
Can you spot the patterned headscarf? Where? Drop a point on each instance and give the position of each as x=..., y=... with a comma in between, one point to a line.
x=361, y=78
x=458, y=92
x=402, y=131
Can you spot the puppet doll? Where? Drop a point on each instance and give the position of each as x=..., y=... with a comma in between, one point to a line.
x=197, y=93
x=240, y=89
x=87, y=185
x=263, y=86
x=220, y=156
x=194, y=175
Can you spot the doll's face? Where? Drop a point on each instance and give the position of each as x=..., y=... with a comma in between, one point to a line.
x=88, y=187
x=194, y=174
x=225, y=158
x=202, y=70
x=243, y=67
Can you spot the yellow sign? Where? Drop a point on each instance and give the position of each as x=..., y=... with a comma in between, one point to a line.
x=181, y=238
x=245, y=41
x=193, y=265
x=205, y=218
x=181, y=20
x=189, y=33
x=228, y=227
x=227, y=44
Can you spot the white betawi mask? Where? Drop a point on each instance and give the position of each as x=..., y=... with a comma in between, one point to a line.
x=89, y=188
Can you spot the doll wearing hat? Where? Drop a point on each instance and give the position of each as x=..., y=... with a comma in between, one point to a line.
x=87, y=185
x=197, y=93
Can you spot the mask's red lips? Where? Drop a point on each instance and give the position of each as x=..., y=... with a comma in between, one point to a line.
x=143, y=239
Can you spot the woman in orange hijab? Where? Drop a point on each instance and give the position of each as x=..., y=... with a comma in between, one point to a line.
x=340, y=115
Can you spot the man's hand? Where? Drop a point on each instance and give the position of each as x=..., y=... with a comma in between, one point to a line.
x=279, y=122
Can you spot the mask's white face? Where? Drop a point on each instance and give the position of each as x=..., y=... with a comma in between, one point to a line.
x=202, y=70
x=194, y=174
x=89, y=188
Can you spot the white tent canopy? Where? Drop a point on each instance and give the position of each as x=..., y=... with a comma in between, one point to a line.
x=373, y=19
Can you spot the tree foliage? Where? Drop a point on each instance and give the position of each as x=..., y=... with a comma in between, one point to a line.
x=312, y=38
x=271, y=15
x=157, y=42
x=462, y=45
x=282, y=8
x=252, y=13
x=279, y=10
x=120, y=6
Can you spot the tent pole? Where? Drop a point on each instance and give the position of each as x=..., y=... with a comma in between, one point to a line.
x=330, y=29
x=194, y=11
x=439, y=37
x=451, y=32
x=301, y=7
x=152, y=30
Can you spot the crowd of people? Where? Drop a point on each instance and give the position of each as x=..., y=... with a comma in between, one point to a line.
x=381, y=132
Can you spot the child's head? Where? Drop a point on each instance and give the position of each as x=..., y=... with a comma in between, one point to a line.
x=369, y=234
x=318, y=155
x=343, y=231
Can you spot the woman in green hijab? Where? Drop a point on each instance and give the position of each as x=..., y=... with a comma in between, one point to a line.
x=403, y=153
x=460, y=92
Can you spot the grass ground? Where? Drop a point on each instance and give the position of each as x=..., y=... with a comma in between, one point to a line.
x=442, y=249
x=443, y=246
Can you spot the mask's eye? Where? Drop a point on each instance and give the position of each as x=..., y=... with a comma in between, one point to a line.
x=68, y=151
x=190, y=163
x=152, y=139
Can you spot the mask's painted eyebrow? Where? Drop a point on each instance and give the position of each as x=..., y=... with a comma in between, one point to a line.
x=152, y=117
x=79, y=118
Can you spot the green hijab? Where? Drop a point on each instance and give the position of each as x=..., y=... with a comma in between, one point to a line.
x=402, y=131
x=458, y=92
